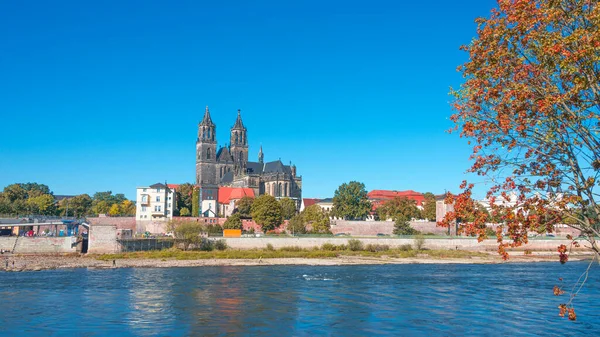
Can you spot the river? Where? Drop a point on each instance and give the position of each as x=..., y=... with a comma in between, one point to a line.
x=406, y=300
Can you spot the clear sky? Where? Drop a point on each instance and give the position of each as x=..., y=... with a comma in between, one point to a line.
x=107, y=95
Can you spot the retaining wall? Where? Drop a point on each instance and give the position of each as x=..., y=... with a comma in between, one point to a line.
x=102, y=239
x=39, y=245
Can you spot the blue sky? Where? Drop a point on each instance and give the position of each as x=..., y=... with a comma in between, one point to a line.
x=98, y=96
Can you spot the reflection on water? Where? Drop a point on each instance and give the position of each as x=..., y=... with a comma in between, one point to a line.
x=452, y=300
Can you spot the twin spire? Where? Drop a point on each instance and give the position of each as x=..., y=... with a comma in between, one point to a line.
x=208, y=121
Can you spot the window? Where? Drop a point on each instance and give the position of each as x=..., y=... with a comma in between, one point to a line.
x=158, y=198
x=158, y=190
x=144, y=190
x=144, y=198
x=168, y=212
x=169, y=205
x=143, y=208
x=169, y=198
x=208, y=153
x=157, y=208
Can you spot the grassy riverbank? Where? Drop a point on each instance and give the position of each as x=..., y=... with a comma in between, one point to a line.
x=290, y=252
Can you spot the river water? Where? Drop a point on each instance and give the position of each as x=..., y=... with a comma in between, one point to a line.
x=401, y=300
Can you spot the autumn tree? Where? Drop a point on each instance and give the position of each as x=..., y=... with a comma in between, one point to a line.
x=288, y=208
x=114, y=210
x=42, y=204
x=127, y=207
x=244, y=207
x=350, y=201
x=266, y=211
x=530, y=108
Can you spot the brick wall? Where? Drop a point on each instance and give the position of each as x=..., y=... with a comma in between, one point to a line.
x=127, y=222
x=103, y=239
x=373, y=228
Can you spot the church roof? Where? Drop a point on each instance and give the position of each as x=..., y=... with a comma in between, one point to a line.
x=226, y=194
x=207, y=120
x=227, y=178
x=254, y=167
x=223, y=154
x=276, y=167
x=238, y=122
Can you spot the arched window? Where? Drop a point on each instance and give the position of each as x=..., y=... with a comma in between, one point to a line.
x=285, y=190
x=273, y=189
x=236, y=137
x=208, y=153
x=208, y=133
x=241, y=157
x=203, y=133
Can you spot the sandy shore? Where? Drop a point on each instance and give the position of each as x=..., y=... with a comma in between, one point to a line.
x=45, y=262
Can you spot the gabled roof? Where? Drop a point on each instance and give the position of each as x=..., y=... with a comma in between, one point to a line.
x=227, y=178
x=309, y=202
x=325, y=201
x=276, y=167
x=226, y=194
x=223, y=155
x=173, y=186
x=254, y=167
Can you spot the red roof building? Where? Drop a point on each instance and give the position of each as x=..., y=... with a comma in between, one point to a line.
x=227, y=194
x=378, y=197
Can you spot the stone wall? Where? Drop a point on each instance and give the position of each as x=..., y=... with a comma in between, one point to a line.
x=126, y=222
x=39, y=245
x=372, y=228
x=103, y=239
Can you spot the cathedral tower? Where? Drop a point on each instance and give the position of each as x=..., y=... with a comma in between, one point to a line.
x=206, y=146
x=239, y=145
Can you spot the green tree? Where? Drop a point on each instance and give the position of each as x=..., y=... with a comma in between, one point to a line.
x=317, y=218
x=79, y=205
x=402, y=226
x=100, y=207
x=187, y=233
x=184, y=212
x=234, y=221
x=429, y=207
x=35, y=189
x=288, y=208
x=195, y=201
x=297, y=225
x=14, y=192
x=399, y=207
x=266, y=212
x=350, y=201
x=42, y=204
x=244, y=207
x=184, y=196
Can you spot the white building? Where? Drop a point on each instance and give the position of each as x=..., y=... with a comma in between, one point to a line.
x=155, y=202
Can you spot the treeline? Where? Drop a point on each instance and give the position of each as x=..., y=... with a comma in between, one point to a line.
x=33, y=198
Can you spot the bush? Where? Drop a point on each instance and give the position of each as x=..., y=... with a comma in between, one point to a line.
x=270, y=247
x=206, y=245
x=377, y=248
x=328, y=246
x=221, y=244
x=419, y=242
x=291, y=249
x=405, y=248
x=355, y=245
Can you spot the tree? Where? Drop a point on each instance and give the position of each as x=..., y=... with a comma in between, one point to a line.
x=429, y=206
x=184, y=196
x=187, y=233
x=288, y=208
x=114, y=210
x=234, y=221
x=127, y=207
x=297, y=225
x=195, y=201
x=42, y=204
x=317, y=218
x=529, y=105
x=350, y=201
x=79, y=205
x=184, y=212
x=101, y=207
x=266, y=212
x=402, y=226
x=399, y=207
x=244, y=207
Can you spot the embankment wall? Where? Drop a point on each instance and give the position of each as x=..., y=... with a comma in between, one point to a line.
x=39, y=245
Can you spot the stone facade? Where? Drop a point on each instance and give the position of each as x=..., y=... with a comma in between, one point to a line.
x=229, y=166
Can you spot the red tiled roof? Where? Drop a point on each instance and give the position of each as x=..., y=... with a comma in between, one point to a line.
x=377, y=197
x=173, y=186
x=226, y=194
x=308, y=201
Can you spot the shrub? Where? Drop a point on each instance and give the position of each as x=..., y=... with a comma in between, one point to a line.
x=233, y=222
x=419, y=242
x=221, y=244
x=291, y=249
x=376, y=248
x=405, y=248
x=355, y=245
x=270, y=247
x=328, y=246
x=206, y=245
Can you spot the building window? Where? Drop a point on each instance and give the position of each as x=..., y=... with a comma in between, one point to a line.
x=158, y=190
x=158, y=198
x=143, y=208
x=208, y=153
x=157, y=208
x=144, y=190
x=144, y=198
x=169, y=198
x=169, y=205
x=168, y=212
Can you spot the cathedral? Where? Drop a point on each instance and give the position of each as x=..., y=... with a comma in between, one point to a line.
x=228, y=166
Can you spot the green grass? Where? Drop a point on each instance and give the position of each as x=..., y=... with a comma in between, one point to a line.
x=286, y=252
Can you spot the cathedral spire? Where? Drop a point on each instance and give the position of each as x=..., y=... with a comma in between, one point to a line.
x=238, y=122
x=261, y=155
x=207, y=120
